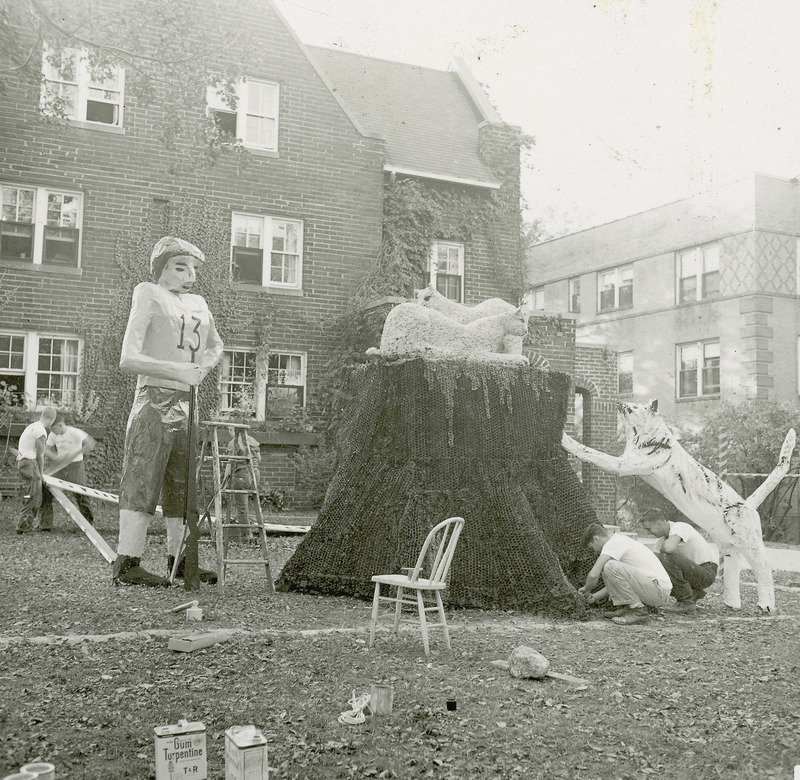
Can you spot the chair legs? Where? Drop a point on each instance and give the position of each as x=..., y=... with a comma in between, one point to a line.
x=442, y=618
x=374, y=620
x=398, y=609
x=423, y=623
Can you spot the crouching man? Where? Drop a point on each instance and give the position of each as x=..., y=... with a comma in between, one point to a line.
x=688, y=558
x=171, y=343
x=633, y=577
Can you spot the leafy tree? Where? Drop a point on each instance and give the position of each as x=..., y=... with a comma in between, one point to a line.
x=170, y=50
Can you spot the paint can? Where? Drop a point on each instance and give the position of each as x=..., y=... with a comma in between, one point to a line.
x=181, y=751
x=246, y=754
x=40, y=769
x=381, y=698
x=194, y=613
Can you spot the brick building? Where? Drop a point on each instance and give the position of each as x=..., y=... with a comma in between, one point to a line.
x=698, y=298
x=292, y=214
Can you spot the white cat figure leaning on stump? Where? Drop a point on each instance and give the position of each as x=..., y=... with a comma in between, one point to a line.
x=412, y=330
x=653, y=453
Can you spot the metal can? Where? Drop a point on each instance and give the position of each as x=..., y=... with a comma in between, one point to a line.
x=245, y=754
x=181, y=751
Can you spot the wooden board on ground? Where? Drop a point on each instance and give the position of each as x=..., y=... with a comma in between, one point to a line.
x=197, y=640
x=82, y=523
x=277, y=528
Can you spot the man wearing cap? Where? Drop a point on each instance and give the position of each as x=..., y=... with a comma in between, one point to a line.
x=171, y=343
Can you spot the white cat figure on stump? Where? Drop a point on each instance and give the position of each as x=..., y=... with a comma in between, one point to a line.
x=433, y=299
x=412, y=330
x=653, y=453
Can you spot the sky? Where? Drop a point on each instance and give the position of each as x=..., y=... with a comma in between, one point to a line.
x=633, y=103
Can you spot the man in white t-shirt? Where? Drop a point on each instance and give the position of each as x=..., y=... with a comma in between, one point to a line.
x=688, y=558
x=30, y=467
x=66, y=447
x=633, y=576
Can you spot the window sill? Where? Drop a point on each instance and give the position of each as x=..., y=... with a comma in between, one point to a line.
x=614, y=310
x=695, y=398
x=286, y=438
x=99, y=126
x=695, y=302
x=291, y=292
x=15, y=429
x=261, y=152
x=43, y=269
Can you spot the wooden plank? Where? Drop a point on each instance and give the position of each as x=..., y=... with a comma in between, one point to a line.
x=198, y=640
x=72, y=487
x=84, y=490
x=286, y=529
x=83, y=523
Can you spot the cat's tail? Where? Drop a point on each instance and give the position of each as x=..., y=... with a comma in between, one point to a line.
x=755, y=499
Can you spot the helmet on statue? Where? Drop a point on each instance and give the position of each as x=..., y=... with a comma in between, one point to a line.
x=169, y=247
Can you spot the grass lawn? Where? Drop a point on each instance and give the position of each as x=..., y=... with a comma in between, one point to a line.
x=86, y=674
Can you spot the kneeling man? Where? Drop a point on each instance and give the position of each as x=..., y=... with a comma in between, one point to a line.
x=688, y=558
x=633, y=576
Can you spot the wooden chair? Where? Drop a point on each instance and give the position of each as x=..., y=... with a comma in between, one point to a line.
x=434, y=561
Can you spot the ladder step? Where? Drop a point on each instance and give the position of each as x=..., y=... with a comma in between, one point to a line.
x=227, y=462
x=243, y=526
x=252, y=561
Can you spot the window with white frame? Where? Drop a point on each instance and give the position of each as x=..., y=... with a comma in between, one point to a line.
x=625, y=373
x=615, y=288
x=39, y=369
x=698, y=369
x=536, y=298
x=446, y=266
x=698, y=273
x=575, y=295
x=267, y=251
x=286, y=383
x=238, y=382
x=40, y=225
x=77, y=88
x=253, y=389
x=249, y=114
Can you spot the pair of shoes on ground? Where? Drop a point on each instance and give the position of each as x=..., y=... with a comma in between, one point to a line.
x=681, y=608
x=129, y=571
x=205, y=576
x=632, y=616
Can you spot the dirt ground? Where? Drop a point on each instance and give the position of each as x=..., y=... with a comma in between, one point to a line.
x=86, y=675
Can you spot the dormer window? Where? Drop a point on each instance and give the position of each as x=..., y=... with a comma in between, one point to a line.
x=249, y=114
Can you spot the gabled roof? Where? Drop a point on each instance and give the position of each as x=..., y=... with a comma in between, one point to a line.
x=427, y=117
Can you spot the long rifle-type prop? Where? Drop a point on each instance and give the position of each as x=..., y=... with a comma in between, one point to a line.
x=191, y=576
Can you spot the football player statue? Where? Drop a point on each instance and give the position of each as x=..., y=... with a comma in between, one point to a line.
x=171, y=343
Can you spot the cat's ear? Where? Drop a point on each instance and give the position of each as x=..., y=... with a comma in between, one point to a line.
x=653, y=406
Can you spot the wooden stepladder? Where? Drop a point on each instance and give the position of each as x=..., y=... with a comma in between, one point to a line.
x=224, y=464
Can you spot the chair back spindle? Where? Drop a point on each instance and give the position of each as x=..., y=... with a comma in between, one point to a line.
x=440, y=565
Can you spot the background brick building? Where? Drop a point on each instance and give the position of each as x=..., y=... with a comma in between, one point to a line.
x=698, y=298
x=293, y=214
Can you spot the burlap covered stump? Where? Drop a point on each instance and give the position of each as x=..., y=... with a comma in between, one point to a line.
x=429, y=440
